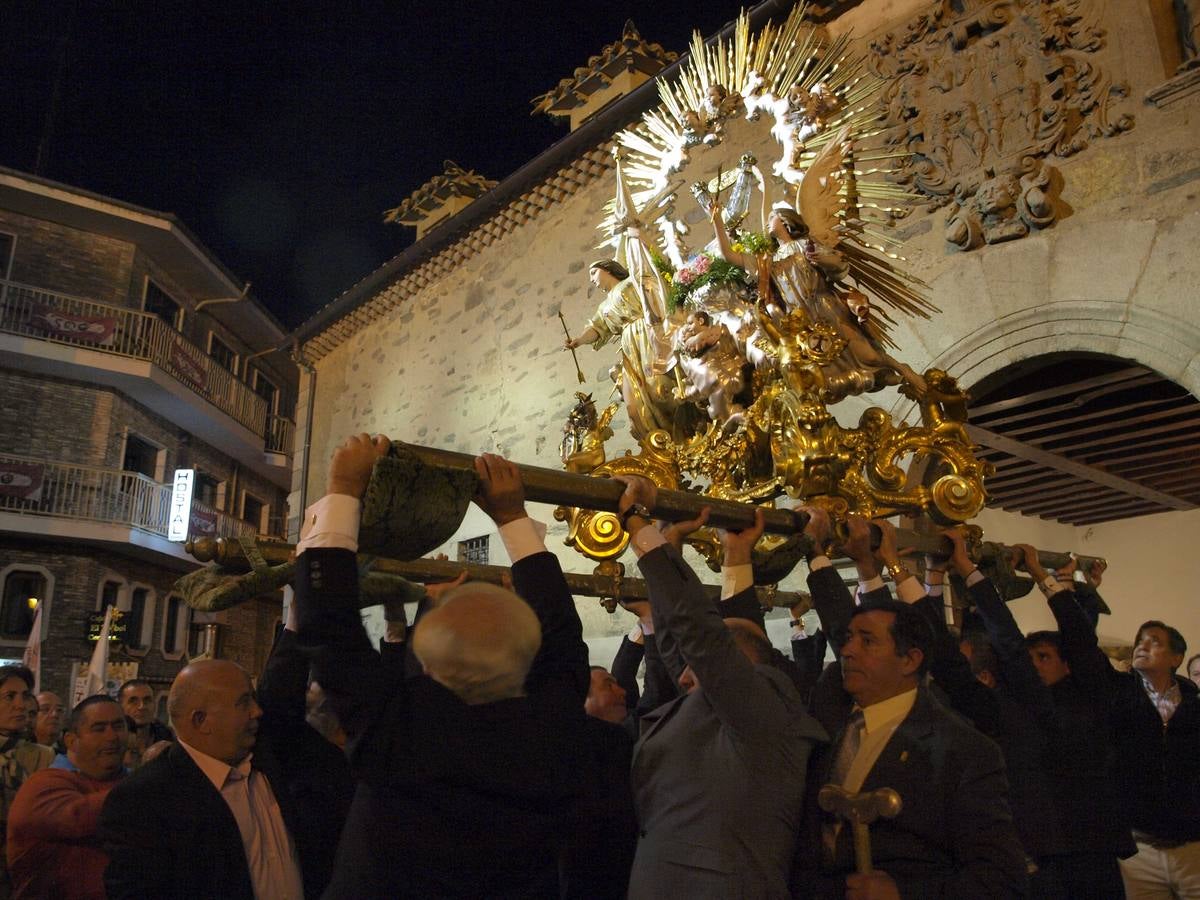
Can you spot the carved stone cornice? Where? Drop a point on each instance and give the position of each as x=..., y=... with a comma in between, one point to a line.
x=1185, y=83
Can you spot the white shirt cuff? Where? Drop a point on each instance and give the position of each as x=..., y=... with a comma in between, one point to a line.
x=735, y=579
x=1050, y=586
x=820, y=561
x=974, y=578
x=331, y=522
x=934, y=590
x=647, y=539
x=647, y=627
x=910, y=590
x=871, y=584
x=523, y=537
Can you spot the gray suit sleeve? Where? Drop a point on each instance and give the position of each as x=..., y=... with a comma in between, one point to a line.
x=742, y=699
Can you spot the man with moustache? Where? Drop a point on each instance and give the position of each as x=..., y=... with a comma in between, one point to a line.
x=52, y=845
x=954, y=836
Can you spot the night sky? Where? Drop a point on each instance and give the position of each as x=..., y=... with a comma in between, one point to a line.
x=280, y=132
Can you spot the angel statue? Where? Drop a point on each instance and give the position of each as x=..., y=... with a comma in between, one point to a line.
x=712, y=366
x=803, y=277
x=648, y=391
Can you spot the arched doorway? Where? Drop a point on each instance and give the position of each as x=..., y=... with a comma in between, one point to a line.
x=1085, y=438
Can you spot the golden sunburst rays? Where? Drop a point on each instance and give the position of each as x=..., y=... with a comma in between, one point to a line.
x=768, y=69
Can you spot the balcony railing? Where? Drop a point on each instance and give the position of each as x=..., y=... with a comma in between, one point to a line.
x=131, y=333
x=36, y=487
x=280, y=434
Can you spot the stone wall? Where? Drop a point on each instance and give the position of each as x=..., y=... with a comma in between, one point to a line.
x=473, y=362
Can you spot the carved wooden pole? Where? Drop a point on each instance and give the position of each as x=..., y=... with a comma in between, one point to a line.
x=561, y=488
x=229, y=555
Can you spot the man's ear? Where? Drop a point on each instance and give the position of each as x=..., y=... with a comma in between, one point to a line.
x=69, y=739
x=199, y=719
x=912, y=661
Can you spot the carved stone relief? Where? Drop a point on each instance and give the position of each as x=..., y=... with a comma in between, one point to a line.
x=980, y=93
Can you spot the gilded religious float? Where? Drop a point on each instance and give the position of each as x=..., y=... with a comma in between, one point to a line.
x=750, y=287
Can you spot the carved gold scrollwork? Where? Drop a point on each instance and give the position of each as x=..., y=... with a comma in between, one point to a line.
x=599, y=535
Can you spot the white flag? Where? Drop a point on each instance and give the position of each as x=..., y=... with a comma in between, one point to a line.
x=98, y=667
x=33, y=651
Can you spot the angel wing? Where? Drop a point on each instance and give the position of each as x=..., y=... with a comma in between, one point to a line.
x=819, y=198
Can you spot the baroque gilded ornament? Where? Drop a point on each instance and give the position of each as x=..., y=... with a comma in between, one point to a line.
x=748, y=298
x=980, y=94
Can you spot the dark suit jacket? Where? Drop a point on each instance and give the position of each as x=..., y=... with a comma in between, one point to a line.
x=1157, y=769
x=954, y=837
x=719, y=773
x=453, y=800
x=169, y=833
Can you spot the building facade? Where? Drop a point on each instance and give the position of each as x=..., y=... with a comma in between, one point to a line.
x=127, y=351
x=457, y=343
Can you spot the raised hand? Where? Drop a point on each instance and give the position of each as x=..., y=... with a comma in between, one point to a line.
x=739, y=545
x=677, y=531
x=818, y=527
x=435, y=591
x=501, y=494
x=350, y=468
x=960, y=558
x=1029, y=561
x=638, y=490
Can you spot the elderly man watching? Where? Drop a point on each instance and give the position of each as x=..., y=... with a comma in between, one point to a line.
x=248, y=803
x=53, y=850
x=136, y=697
x=48, y=723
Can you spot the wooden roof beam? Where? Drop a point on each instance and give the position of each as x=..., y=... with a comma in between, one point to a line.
x=1070, y=467
x=1074, y=390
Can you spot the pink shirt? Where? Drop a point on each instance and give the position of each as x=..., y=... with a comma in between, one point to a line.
x=270, y=853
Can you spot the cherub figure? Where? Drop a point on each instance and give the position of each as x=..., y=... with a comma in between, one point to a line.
x=706, y=124
x=584, y=434
x=709, y=361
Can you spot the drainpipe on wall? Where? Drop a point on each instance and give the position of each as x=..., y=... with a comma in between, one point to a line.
x=311, y=372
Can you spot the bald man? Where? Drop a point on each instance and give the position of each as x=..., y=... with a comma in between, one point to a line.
x=468, y=773
x=244, y=805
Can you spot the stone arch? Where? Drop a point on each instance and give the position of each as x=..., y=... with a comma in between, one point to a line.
x=1160, y=341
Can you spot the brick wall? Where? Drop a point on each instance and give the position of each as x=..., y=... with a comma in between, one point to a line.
x=65, y=259
x=78, y=573
x=60, y=420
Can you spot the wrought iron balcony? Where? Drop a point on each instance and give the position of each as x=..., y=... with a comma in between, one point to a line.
x=280, y=434
x=50, y=316
x=36, y=487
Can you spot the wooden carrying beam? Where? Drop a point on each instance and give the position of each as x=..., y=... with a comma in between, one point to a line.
x=229, y=555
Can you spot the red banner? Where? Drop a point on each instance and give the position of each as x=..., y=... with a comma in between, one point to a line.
x=204, y=523
x=189, y=368
x=88, y=329
x=20, y=479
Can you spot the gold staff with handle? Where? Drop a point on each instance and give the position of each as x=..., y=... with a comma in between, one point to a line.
x=567, y=332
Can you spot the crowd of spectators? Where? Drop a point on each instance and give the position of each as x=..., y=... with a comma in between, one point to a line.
x=476, y=753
